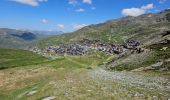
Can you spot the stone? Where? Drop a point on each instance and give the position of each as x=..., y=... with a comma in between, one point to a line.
x=157, y=65
x=166, y=33
x=138, y=69
x=31, y=93
x=155, y=98
x=49, y=98
x=164, y=48
x=89, y=90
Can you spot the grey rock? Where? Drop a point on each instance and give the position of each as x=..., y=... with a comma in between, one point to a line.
x=31, y=93
x=155, y=98
x=154, y=66
x=49, y=98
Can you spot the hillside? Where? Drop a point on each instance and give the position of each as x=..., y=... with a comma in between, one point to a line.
x=28, y=76
x=145, y=28
x=127, y=58
x=11, y=38
x=10, y=58
x=22, y=39
x=85, y=50
x=136, y=43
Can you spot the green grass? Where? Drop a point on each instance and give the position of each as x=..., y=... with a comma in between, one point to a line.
x=10, y=58
x=18, y=58
x=68, y=80
x=93, y=59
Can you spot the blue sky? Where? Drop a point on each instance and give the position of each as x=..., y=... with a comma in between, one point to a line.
x=70, y=15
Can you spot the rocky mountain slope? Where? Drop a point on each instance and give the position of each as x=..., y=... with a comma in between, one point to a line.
x=136, y=42
x=146, y=28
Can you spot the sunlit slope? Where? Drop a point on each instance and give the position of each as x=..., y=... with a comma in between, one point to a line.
x=145, y=28
x=18, y=58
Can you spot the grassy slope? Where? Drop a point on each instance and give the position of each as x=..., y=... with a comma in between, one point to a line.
x=142, y=28
x=140, y=32
x=64, y=83
x=38, y=71
x=66, y=77
x=13, y=58
x=17, y=58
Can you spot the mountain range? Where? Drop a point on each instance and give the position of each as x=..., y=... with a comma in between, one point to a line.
x=145, y=28
x=22, y=39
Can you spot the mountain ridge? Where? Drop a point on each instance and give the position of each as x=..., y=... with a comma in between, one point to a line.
x=117, y=30
x=22, y=39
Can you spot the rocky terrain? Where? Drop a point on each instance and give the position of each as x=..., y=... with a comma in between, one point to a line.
x=146, y=28
x=134, y=41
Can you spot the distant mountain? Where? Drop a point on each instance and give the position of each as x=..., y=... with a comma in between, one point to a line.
x=22, y=39
x=146, y=28
x=27, y=36
x=12, y=38
x=45, y=33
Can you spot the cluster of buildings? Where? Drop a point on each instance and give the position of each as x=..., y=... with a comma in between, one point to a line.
x=85, y=45
x=70, y=49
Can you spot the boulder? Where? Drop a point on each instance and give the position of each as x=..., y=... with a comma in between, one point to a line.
x=155, y=66
x=49, y=98
x=31, y=93
x=166, y=33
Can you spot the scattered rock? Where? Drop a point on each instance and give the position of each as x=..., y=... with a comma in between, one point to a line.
x=165, y=41
x=21, y=95
x=31, y=93
x=168, y=60
x=166, y=33
x=89, y=90
x=164, y=69
x=155, y=98
x=154, y=66
x=138, y=69
x=157, y=65
x=164, y=48
x=49, y=98
x=139, y=95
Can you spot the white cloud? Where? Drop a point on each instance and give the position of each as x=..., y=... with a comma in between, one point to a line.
x=87, y=1
x=61, y=26
x=148, y=6
x=133, y=12
x=30, y=2
x=137, y=11
x=73, y=2
x=44, y=21
x=78, y=26
x=80, y=10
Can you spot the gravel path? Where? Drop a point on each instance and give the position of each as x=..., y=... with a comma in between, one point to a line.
x=132, y=79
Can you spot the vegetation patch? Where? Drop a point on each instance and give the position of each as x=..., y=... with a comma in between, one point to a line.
x=10, y=58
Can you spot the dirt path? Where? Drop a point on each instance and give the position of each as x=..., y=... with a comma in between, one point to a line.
x=157, y=84
x=83, y=84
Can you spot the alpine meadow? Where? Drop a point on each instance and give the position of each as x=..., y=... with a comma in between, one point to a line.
x=85, y=50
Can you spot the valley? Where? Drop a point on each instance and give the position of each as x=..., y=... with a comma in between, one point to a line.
x=121, y=59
